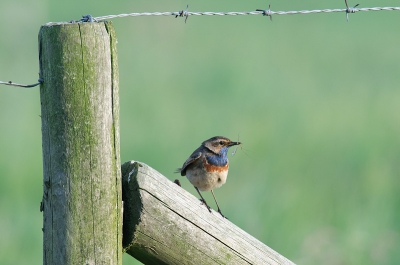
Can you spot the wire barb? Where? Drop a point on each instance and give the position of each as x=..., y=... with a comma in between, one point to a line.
x=10, y=83
x=350, y=10
x=267, y=12
x=88, y=18
x=183, y=13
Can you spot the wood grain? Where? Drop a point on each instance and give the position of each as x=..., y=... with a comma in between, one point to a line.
x=165, y=224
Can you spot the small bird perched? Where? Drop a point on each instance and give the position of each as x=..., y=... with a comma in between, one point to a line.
x=207, y=167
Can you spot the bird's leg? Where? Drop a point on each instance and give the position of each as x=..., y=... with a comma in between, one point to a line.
x=219, y=210
x=202, y=199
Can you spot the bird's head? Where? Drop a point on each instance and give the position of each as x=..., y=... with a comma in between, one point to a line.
x=219, y=145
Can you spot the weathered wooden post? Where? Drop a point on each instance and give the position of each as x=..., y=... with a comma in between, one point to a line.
x=165, y=224
x=80, y=131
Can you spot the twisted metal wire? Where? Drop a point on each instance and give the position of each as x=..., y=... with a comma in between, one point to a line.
x=185, y=13
x=10, y=83
x=245, y=13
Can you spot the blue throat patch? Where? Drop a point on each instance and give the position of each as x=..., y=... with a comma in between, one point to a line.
x=219, y=160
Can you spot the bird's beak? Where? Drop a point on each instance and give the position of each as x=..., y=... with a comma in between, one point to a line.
x=234, y=143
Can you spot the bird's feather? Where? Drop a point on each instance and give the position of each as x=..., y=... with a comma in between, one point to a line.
x=190, y=160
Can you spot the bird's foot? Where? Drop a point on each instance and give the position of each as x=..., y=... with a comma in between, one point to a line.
x=219, y=210
x=204, y=202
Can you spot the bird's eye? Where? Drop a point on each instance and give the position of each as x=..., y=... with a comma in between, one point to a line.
x=221, y=143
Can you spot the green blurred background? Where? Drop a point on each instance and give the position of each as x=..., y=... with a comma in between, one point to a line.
x=316, y=101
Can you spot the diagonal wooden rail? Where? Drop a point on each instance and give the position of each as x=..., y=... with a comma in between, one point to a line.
x=165, y=224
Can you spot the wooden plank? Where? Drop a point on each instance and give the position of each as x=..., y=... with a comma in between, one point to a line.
x=165, y=224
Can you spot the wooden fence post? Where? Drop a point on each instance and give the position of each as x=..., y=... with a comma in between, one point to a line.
x=165, y=224
x=80, y=133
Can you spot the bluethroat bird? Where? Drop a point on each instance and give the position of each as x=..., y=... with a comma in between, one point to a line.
x=207, y=167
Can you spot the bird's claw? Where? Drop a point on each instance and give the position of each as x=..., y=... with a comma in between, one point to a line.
x=222, y=214
x=204, y=202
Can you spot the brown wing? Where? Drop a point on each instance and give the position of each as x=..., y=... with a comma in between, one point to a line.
x=196, y=155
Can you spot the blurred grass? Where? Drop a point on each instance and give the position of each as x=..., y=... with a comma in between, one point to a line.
x=314, y=98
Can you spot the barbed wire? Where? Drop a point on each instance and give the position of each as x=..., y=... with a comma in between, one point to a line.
x=10, y=83
x=185, y=13
x=245, y=13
